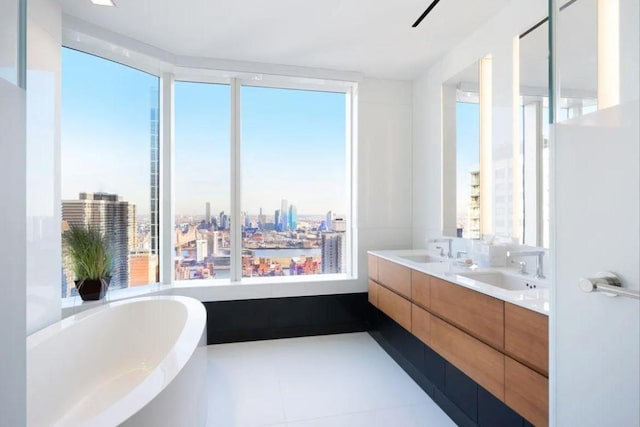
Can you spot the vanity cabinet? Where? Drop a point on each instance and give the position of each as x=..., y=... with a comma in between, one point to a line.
x=480, y=362
x=526, y=337
x=501, y=346
x=395, y=306
x=394, y=276
x=373, y=266
x=479, y=314
x=373, y=293
x=527, y=392
x=421, y=288
x=421, y=324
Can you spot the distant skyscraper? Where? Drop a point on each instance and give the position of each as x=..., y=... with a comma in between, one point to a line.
x=207, y=213
x=224, y=221
x=339, y=224
x=293, y=217
x=329, y=220
x=277, y=220
x=133, y=228
x=155, y=172
x=284, y=210
x=262, y=219
x=201, y=250
x=333, y=252
x=110, y=215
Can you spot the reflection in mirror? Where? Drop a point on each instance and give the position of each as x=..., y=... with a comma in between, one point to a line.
x=586, y=81
x=461, y=148
x=532, y=160
x=578, y=96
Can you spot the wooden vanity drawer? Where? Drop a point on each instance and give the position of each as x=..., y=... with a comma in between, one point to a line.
x=420, y=288
x=527, y=392
x=421, y=324
x=394, y=306
x=394, y=276
x=373, y=293
x=479, y=314
x=526, y=337
x=482, y=363
x=373, y=266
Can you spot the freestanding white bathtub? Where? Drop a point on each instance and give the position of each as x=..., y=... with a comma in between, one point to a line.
x=139, y=362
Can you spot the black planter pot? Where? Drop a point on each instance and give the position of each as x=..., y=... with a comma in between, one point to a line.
x=93, y=289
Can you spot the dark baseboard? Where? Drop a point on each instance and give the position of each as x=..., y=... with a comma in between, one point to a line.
x=275, y=318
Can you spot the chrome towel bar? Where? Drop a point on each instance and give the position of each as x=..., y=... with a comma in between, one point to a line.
x=609, y=284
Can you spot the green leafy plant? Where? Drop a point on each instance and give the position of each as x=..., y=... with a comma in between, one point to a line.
x=89, y=252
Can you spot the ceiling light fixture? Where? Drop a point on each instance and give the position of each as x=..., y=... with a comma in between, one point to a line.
x=425, y=13
x=103, y=2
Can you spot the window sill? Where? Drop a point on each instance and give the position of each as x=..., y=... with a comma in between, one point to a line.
x=115, y=295
x=225, y=290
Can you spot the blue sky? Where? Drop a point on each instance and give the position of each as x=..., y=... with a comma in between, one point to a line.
x=293, y=142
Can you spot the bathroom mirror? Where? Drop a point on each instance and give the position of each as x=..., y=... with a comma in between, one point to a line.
x=578, y=97
x=461, y=151
x=531, y=159
x=589, y=81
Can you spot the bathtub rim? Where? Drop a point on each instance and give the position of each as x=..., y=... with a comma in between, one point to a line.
x=161, y=376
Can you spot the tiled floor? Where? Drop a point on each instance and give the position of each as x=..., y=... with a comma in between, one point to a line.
x=334, y=380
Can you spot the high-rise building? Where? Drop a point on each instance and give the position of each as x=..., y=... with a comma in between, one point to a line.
x=224, y=223
x=474, y=207
x=207, y=213
x=293, y=217
x=262, y=219
x=277, y=219
x=329, y=220
x=333, y=252
x=110, y=215
x=154, y=243
x=284, y=210
x=201, y=250
x=142, y=269
x=339, y=225
x=133, y=228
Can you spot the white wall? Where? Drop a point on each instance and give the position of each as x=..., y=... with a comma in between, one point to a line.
x=12, y=254
x=595, y=343
x=495, y=37
x=43, y=163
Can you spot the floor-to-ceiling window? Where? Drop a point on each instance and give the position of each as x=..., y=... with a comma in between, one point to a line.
x=283, y=177
x=294, y=182
x=202, y=181
x=109, y=164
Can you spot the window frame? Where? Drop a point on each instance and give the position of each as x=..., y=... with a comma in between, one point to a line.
x=168, y=73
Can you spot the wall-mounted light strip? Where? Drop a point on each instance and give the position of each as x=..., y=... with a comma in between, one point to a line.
x=103, y=3
x=425, y=13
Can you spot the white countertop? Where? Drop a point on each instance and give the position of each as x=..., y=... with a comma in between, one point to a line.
x=533, y=299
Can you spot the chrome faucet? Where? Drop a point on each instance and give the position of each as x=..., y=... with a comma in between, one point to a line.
x=539, y=259
x=447, y=240
x=523, y=267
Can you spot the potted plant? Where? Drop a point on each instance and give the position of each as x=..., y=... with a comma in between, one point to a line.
x=91, y=261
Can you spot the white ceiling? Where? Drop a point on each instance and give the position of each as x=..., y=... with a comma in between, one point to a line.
x=373, y=37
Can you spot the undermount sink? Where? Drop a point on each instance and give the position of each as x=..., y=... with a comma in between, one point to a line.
x=508, y=282
x=422, y=259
